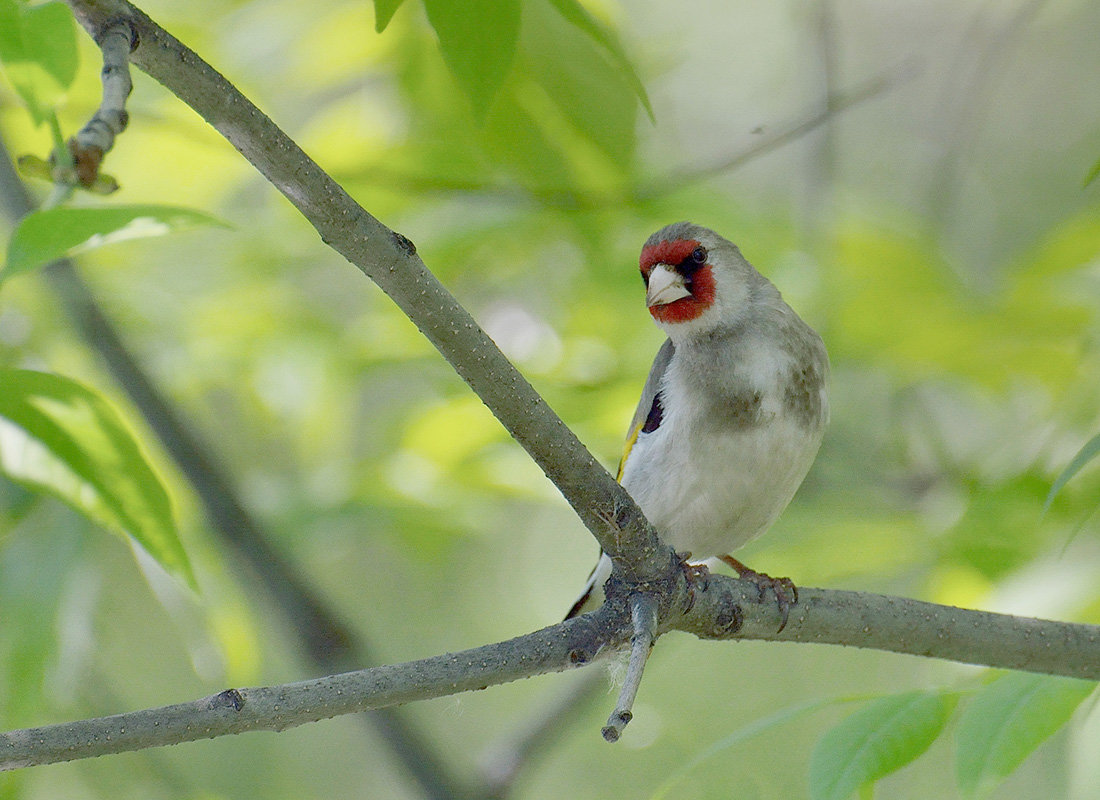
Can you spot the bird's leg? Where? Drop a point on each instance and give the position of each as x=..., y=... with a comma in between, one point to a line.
x=786, y=593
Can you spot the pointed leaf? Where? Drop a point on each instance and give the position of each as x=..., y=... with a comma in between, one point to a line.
x=38, y=51
x=878, y=739
x=59, y=437
x=383, y=13
x=1086, y=454
x=478, y=40
x=44, y=236
x=578, y=16
x=1007, y=721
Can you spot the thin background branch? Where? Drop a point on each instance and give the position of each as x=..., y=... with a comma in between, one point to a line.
x=327, y=640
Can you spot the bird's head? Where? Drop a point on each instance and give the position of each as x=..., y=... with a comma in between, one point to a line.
x=696, y=281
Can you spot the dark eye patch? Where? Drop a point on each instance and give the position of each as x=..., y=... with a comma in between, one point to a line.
x=695, y=259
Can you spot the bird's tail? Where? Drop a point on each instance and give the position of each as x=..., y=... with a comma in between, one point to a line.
x=592, y=596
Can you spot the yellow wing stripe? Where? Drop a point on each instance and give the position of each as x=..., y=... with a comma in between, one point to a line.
x=628, y=445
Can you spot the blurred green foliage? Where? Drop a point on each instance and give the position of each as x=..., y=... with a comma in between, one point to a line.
x=938, y=236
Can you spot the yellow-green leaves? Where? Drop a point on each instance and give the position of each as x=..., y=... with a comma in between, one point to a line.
x=878, y=739
x=57, y=436
x=998, y=728
x=1087, y=453
x=38, y=52
x=383, y=13
x=578, y=16
x=43, y=236
x=484, y=42
x=478, y=40
x=1007, y=721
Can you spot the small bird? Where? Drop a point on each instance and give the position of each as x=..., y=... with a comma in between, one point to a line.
x=732, y=413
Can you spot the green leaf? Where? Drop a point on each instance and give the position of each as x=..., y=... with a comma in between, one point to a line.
x=38, y=51
x=59, y=437
x=384, y=11
x=876, y=740
x=36, y=572
x=1007, y=721
x=1086, y=454
x=578, y=16
x=478, y=39
x=566, y=124
x=1092, y=173
x=44, y=236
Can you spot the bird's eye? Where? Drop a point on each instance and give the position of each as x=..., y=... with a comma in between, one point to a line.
x=699, y=255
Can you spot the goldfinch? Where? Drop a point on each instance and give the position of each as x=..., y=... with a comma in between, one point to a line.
x=733, y=411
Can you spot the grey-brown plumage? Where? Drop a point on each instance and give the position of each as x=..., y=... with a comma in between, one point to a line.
x=734, y=408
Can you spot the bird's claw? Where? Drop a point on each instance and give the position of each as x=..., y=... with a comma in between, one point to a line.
x=786, y=593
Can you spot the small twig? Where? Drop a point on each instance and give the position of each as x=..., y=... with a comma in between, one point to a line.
x=784, y=134
x=95, y=139
x=643, y=615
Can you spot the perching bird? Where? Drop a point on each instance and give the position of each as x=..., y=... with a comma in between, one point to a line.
x=734, y=408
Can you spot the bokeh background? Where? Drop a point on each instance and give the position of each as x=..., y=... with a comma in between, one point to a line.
x=912, y=175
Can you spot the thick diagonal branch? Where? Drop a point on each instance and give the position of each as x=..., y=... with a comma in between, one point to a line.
x=390, y=260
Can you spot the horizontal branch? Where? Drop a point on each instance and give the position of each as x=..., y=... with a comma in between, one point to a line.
x=390, y=260
x=277, y=708
x=898, y=625
x=726, y=608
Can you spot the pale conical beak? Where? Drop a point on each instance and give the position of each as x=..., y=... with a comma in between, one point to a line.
x=665, y=286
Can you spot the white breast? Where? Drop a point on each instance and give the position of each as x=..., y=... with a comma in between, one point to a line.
x=710, y=486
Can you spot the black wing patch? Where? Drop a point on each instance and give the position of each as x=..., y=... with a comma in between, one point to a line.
x=653, y=419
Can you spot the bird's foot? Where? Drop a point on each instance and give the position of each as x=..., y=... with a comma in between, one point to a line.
x=695, y=574
x=786, y=593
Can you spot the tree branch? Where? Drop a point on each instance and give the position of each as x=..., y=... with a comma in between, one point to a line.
x=725, y=608
x=390, y=260
x=95, y=139
x=643, y=617
x=899, y=625
x=277, y=708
